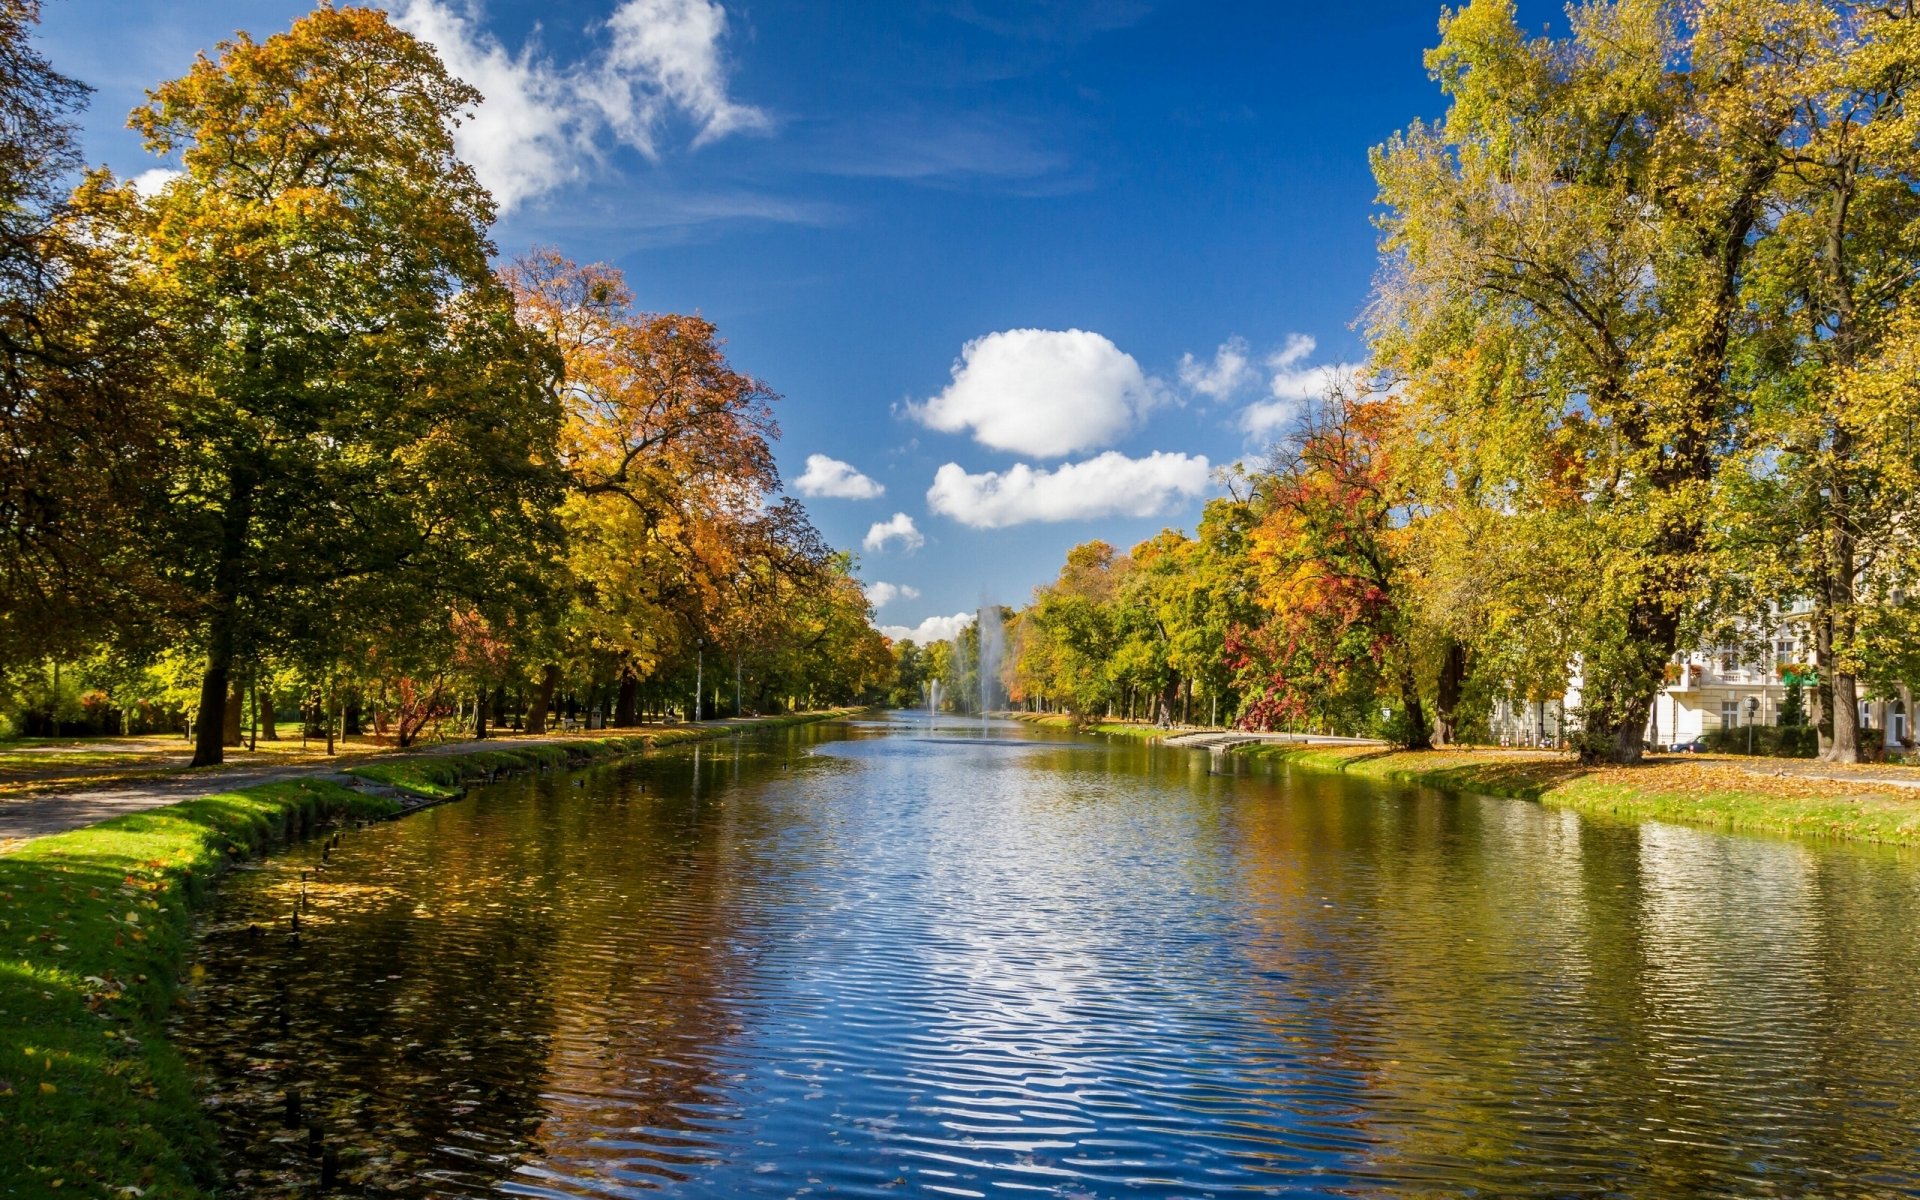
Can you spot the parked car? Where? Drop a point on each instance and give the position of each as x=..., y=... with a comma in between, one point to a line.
x=1696, y=746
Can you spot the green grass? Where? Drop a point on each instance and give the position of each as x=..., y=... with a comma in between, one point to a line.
x=1131, y=729
x=95, y=930
x=1709, y=794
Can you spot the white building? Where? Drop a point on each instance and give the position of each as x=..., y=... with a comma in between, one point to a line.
x=1712, y=689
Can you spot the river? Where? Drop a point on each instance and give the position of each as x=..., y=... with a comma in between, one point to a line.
x=889, y=958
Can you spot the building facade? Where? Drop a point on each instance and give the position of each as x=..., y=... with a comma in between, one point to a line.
x=1712, y=689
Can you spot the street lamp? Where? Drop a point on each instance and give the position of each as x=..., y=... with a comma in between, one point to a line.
x=1753, y=706
x=699, y=673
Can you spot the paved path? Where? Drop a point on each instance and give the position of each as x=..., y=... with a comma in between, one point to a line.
x=1803, y=768
x=37, y=815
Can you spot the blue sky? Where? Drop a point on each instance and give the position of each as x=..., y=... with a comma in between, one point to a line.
x=1022, y=266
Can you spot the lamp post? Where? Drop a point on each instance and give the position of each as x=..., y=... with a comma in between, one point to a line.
x=1753, y=706
x=699, y=673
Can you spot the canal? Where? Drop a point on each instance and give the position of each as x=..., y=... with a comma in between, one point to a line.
x=888, y=958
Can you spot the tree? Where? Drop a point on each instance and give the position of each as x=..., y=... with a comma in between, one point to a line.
x=1591, y=203
x=1328, y=575
x=673, y=533
x=363, y=423
x=1831, y=303
x=79, y=429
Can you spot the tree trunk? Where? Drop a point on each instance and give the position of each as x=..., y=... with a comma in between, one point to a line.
x=1846, y=720
x=629, y=695
x=543, y=699
x=350, y=718
x=269, y=715
x=1446, y=699
x=1838, y=619
x=233, y=718
x=480, y=714
x=1419, y=736
x=1168, y=694
x=208, y=746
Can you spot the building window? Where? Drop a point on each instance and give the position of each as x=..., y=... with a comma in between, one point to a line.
x=1782, y=653
x=1900, y=722
x=1729, y=714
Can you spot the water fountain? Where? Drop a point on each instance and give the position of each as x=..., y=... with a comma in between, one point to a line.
x=993, y=649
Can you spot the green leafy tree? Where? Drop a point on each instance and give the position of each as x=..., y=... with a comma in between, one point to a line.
x=1590, y=204
x=364, y=425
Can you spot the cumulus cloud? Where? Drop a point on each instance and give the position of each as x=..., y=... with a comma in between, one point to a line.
x=150, y=182
x=933, y=629
x=882, y=594
x=1107, y=485
x=1294, y=382
x=544, y=124
x=1231, y=369
x=826, y=476
x=898, y=528
x=1041, y=391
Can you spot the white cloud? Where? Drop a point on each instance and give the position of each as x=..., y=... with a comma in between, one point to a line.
x=541, y=124
x=149, y=182
x=882, y=594
x=1041, y=391
x=1108, y=485
x=1230, y=370
x=666, y=55
x=1298, y=347
x=1294, y=383
x=933, y=629
x=899, y=528
x=830, y=477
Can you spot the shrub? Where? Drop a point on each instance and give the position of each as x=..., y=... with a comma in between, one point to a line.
x=1773, y=741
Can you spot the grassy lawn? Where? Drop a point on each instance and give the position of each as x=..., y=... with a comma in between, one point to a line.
x=1761, y=796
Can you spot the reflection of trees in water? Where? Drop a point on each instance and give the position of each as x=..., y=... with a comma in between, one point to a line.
x=649, y=958
x=1406, y=992
x=1539, y=1003
x=482, y=985
x=404, y=1034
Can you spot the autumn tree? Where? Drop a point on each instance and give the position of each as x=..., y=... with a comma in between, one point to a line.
x=1830, y=506
x=363, y=421
x=1328, y=575
x=673, y=529
x=1593, y=201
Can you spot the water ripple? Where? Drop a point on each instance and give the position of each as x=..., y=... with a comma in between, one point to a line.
x=872, y=962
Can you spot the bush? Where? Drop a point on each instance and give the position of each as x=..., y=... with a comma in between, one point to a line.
x=1772, y=741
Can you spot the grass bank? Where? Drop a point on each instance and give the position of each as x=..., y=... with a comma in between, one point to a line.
x=95, y=930
x=1708, y=792
x=1132, y=729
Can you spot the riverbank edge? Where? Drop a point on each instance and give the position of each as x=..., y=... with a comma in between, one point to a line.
x=1846, y=812
x=95, y=933
x=1071, y=724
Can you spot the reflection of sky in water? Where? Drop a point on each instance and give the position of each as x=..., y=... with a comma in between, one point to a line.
x=913, y=960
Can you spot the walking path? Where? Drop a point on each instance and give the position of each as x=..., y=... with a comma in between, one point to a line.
x=1806, y=768
x=39, y=814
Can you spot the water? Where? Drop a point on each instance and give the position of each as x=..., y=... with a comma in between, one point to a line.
x=872, y=961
